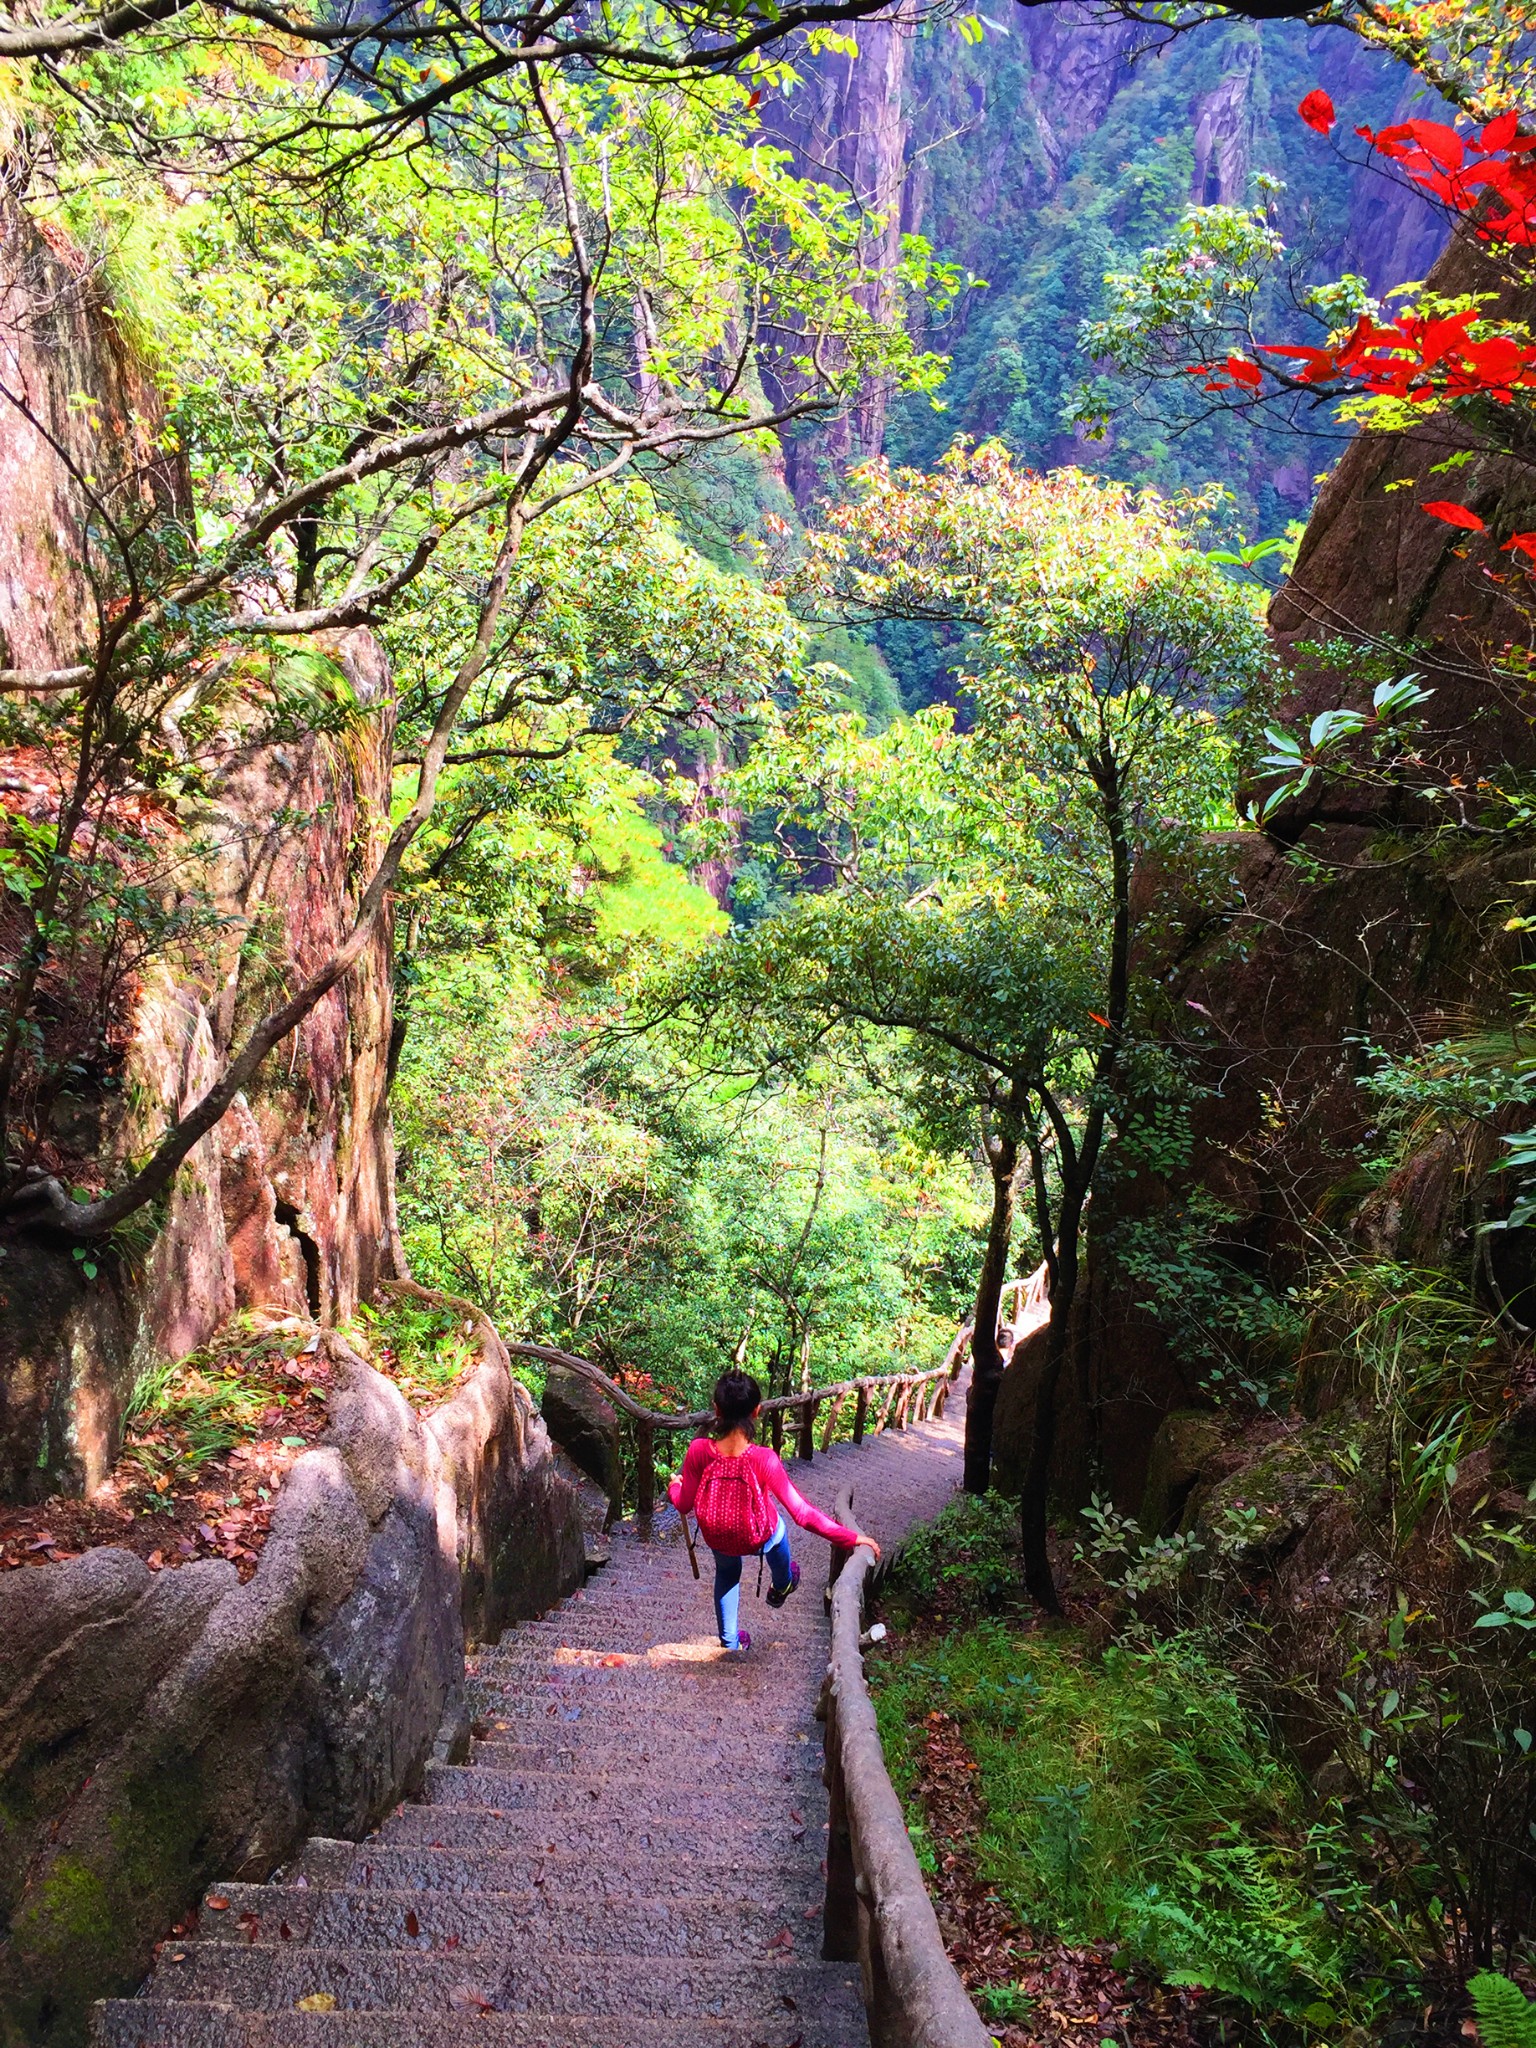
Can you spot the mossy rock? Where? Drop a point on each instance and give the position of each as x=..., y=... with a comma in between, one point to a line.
x=1275, y=1495
x=1185, y=1442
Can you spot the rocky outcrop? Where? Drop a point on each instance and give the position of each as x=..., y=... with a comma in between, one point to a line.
x=165, y=1730
x=64, y=369
x=287, y=1205
x=586, y=1427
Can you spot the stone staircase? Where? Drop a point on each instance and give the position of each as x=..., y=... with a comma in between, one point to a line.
x=631, y=1857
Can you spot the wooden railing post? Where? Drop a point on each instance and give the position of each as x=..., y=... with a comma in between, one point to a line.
x=904, y=1403
x=807, y=1445
x=860, y=1412
x=885, y=1407
x=840, y=1913
x=645, y=1468
x=829, y=1427
x=776, y=1426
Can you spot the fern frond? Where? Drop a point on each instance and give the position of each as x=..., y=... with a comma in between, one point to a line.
x=1506, y=2018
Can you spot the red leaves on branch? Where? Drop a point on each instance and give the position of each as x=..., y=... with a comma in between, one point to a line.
x=1525, y=542
x=1417, y=358
x=1454, y=515
x=1420, y=357
x=1460, y=173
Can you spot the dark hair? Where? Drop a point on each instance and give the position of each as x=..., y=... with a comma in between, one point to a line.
x=737, y=1398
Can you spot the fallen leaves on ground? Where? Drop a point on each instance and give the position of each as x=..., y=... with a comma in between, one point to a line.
x=200, y=1467
x=1071, y=1989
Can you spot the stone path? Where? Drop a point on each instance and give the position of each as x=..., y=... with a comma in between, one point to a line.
x=631, y=1857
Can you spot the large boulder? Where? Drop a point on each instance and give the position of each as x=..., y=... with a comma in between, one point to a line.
x=586, y=1427
x=161, y=1731
x=1013, y=1419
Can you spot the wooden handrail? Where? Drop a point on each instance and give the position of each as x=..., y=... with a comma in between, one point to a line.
x=803, y=1405
x=878, y=1912
x=699, y=1418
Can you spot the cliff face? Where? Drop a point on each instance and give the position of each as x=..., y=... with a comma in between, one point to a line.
x=287, y=1204
x=64, y=371
x=1051, y=153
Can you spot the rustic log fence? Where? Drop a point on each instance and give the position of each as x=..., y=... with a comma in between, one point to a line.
x=878, y=1912
x=880, y=1401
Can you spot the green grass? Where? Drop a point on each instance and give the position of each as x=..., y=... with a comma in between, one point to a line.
x=1130, y=1796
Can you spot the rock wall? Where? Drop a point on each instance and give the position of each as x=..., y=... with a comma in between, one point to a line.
x=288, y=1204
x=159, y=1732
x=65, y=368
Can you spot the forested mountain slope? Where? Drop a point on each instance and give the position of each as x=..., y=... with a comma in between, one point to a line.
x=1056, y=148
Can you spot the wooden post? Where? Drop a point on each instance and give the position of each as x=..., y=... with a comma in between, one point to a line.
x=904, y=1402
x=806, y=1448
x=776, y=1425
x=829, y=1427
x=840, y=1912
x=885, y=1407
x=944, y=1387
x=860, y=1413
x=645, y=1468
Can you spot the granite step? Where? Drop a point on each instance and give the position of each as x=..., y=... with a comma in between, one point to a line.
x=257, y=1978
x=599, y=1836
x=153, y=2023
x=376, y=1917
x=790, y=1875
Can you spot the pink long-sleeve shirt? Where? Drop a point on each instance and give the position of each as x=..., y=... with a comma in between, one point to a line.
x=769, y=1467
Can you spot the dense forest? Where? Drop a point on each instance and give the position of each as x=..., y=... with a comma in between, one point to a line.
x=683, y=689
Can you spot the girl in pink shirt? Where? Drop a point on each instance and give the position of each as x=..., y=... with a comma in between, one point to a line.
x=733, y=1484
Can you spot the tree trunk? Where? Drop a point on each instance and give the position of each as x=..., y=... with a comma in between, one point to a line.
x=1077, y=1166
x=987, y=1373
x=1033, y=1521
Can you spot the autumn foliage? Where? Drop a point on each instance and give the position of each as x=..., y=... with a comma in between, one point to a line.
x=1421, y=358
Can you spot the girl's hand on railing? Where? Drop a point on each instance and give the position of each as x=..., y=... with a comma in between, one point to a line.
x=874, y=1546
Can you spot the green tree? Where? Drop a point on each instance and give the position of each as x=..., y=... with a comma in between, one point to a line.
x=373, y=401
x=982, y=903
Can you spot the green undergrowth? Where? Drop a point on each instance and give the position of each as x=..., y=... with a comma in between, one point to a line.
x=1129, y=1793
x=426, y=1348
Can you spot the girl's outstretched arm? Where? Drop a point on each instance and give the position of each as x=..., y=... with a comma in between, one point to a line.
x=784, y=1490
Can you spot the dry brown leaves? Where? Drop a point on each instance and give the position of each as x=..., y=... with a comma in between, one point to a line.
x=1079, y=1997
x=169, y=1510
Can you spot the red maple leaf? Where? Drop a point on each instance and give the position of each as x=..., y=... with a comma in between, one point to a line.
x=1454, y=515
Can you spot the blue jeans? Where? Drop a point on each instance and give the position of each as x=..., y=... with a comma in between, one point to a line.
x=728, y=1582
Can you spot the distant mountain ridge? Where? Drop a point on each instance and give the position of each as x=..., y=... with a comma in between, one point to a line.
x=1057, y=148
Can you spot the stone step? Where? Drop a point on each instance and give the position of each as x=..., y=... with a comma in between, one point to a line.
x=153, y=2023
x=684, y=1808
x=790, y=1874
x=598, y=1836
x=717, y=1676
x=257, y=1978
x=671, y=1639
x=686, y=1756
x=520, y=1922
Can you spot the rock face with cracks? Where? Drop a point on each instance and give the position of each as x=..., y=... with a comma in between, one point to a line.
x=164, y=1730
x=288, y=1204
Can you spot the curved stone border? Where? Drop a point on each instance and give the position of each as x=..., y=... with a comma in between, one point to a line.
x=161, y=1732
x=878, y=1911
